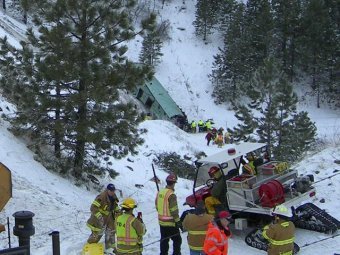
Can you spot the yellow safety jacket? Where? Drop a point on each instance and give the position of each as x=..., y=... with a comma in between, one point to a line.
x=250, y=168
x=129, y=234
x=280, y=237
x=167, y=208
x=208, y=125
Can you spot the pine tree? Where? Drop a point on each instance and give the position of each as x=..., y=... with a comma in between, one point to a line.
x=258, y=31
x=151, y=46
x=287, y=22
x=230, y=68
x=76, y=71
x=273, y=112
x=244, y=130
x=293, y=144
x=207, y=17
x=319, y=44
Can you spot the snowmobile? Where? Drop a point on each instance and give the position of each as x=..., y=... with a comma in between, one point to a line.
x=252, y=197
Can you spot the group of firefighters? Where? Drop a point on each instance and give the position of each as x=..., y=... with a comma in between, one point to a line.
x=207, y=225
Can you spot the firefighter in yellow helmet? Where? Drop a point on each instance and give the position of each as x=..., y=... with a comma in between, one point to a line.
x=168, y=217
x=130, y=230
x=103, y=212
x=280, y=234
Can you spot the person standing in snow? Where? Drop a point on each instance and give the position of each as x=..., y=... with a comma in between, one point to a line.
x=219, y=140
x=280, y=234
x=168, y=217
x=227, y=137
x=130, y=230
x=102, y=220
x=200, y=125
x=208, y=137
x=193, y=126
x=197, y=224
x=216, y=240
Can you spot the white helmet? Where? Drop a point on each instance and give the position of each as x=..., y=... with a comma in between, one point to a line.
x=282, y=210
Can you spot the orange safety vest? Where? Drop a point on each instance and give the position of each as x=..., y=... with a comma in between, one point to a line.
x=216, y=241
x=162, y=203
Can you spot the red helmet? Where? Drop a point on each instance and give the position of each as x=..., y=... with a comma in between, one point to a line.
x=224, y=215
x=171, y=178
x=213, y=170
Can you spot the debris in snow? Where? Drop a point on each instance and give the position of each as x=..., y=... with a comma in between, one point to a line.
x=130, y=168
x=93, y=179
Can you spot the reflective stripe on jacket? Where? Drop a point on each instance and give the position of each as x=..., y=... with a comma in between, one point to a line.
x=197, y=226
x=280, y=237
x=103, y=207
x=216, y=241
x=167, y=208
x=130, y=233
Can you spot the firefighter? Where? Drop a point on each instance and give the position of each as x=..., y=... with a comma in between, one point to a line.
x=197, y=224
x=200, y=124
x=168, y=217
x=248, y=167
x=103, y=211
x=193, y=126
x=208, y=125
x=219, y=140
x=217, y=200
x=216, y=240
x=280, y=234
x=208, y=137
x=227, y=137
x=130, y=230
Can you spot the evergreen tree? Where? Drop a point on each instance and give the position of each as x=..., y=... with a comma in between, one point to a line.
x=320, y=44
x=230, y=66
x=151, y=47
x=287, y=22
x=293, y=144
x=273, y=112
x=207, y=16
x=258, y=31
x=75, y=71
x=244, y=130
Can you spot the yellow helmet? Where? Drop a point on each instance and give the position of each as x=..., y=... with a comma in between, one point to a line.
x=129, y=203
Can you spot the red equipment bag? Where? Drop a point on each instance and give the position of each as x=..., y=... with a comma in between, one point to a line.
x=271, y=193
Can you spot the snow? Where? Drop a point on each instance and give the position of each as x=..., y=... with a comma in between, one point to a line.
x=61, y=206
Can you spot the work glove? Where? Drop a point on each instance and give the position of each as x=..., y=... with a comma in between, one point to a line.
x=179, y=225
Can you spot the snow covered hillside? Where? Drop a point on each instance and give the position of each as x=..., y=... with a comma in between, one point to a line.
x=61, y=206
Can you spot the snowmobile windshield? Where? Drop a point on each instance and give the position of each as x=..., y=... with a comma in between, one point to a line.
x=227, y=168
